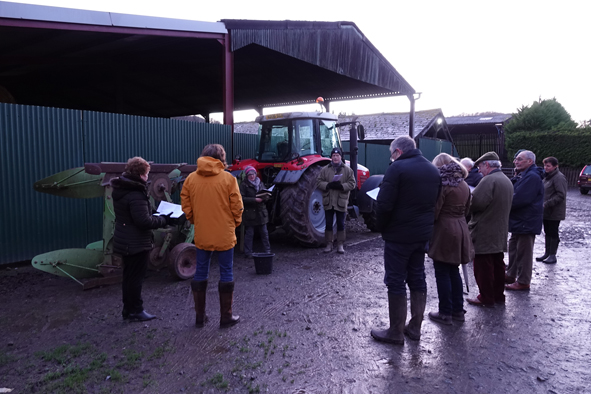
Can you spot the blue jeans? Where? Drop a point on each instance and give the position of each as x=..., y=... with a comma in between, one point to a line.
x=449, y=288
x=225, y=261
x=404, y=264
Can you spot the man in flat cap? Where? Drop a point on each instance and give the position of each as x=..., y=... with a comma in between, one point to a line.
x=491, y=205
x=525, y=221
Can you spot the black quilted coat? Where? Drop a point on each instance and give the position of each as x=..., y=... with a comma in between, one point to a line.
x=133, y=216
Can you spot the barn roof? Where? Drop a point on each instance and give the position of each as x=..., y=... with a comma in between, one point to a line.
x=382, y=127
x=163, y=67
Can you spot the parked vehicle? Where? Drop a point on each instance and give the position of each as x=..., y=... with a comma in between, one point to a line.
x=584, y=181
x=293, y=148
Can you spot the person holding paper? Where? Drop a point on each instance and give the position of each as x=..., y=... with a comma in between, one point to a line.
x=133, y=238
x=406, y=213
x=255, y=215
x=336, y=181
x=212, y=203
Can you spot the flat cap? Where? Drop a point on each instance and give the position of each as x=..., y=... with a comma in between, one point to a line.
x=486, y=157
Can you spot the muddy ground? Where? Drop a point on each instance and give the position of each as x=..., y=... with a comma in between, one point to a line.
x=304, y=329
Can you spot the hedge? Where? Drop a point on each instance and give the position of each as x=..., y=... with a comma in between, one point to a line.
x=571, y=148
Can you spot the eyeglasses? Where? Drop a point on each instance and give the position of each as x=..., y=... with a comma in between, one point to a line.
x=519, y=159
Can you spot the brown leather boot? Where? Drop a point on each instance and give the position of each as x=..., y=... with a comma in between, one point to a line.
x=397, y=311
x=199, y=289
x=340, y=241
x=226, y=290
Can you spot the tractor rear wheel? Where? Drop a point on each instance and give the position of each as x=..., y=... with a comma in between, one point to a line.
x=302, y=212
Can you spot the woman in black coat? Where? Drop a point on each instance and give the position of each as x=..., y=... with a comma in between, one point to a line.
x=133, y=238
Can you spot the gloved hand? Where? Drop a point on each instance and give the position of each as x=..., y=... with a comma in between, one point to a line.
x=335, y=185
x=169, y=220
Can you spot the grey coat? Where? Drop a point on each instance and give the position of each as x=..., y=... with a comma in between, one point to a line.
x=491, y=205
x=555, y=186
x=336, y=199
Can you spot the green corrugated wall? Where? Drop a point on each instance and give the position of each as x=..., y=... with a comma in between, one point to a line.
x=36, y=142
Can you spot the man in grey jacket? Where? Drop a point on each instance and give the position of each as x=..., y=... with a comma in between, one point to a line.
x=491, y=205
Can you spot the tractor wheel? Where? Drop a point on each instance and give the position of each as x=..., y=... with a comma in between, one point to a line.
x=302, y=212
x=182, y=261
x=371, y=219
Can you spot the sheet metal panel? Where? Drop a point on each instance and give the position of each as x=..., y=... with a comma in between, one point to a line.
x=36, y=142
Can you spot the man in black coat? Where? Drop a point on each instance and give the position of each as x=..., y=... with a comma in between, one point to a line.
x=405, y=217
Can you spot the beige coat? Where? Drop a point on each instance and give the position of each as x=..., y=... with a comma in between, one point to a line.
x=491, y=205
x=211, y=201
x=450, y=242
x=336, y=199
x=555, y=187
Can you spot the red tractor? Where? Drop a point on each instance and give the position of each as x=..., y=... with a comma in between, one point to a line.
x=293, y=148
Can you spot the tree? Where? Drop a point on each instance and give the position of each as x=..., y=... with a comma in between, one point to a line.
x=542, y=115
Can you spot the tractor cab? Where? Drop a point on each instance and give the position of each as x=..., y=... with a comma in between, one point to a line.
x=285, y=137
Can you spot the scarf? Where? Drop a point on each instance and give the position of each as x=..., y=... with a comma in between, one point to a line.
x=258, y=186
x=337, y=167
x=451, y=174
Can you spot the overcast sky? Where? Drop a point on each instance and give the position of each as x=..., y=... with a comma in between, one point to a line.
x=464, y=56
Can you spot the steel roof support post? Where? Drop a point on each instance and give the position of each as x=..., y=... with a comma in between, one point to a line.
x=411, y=116
x=229, y=89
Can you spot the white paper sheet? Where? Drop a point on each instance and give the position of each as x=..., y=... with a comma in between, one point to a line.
x=374, y=193
x=166, y=207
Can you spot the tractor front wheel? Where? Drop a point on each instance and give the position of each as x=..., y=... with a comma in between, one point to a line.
x=302, y=212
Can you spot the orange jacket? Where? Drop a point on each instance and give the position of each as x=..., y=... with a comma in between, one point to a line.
x=211, y=201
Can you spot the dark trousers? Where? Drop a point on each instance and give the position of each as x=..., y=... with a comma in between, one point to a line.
x=134, y=271
x=551, y=228
x=329, y=216
x=449, y=288
x=489, y=271
x=404, y=264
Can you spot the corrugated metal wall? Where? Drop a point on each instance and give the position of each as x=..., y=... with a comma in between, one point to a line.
x=377, y=157
x=36, y=142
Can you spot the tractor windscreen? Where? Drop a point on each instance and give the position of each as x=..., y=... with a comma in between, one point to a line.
x=274, y=142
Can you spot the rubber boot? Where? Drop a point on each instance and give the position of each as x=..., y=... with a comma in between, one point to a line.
x=546, y=253
x=397, y=312
x=199, y=289
x=552, y=251
x=226, y=290
x=418, y=299
x=340, y=241
x=328, y=238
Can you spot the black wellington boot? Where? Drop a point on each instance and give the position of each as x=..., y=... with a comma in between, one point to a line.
x=546, y=253
x=551, y=259
x=418, y=300
x=397, y=311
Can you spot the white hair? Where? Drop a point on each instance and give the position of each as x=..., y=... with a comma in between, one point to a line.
x=467, y=162
x=493, y=163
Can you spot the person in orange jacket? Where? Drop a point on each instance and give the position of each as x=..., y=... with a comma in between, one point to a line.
x=211, y=201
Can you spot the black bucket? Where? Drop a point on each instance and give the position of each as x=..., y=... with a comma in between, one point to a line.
x=263, y=263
